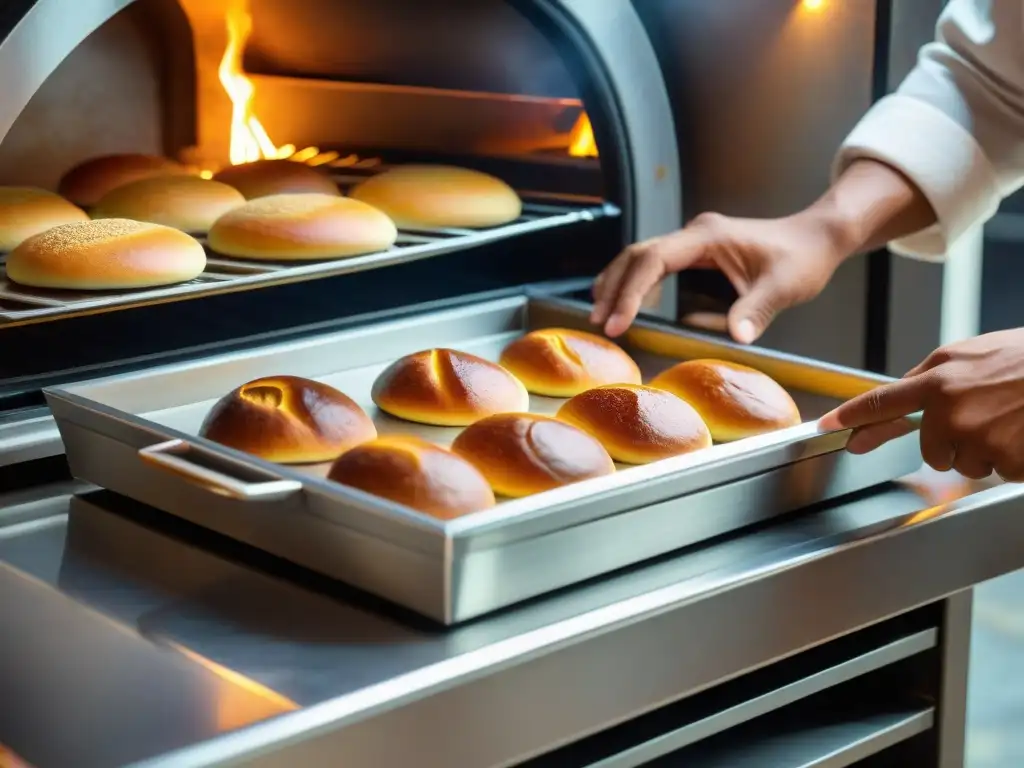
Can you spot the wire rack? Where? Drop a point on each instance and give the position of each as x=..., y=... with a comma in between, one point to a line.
x=541, y=211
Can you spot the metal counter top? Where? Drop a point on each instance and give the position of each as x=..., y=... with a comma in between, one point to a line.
x=358, y=672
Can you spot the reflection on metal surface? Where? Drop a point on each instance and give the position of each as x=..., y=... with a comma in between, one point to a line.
x=867, y=565
x=10, y=760
x=714, y=322
x=925, y=514
x=823, y=378
x=363, y=674
x=241, y=701
x=76, y=674
x=939, y=488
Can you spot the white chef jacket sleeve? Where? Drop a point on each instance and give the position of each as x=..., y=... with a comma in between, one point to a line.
x=955, y=126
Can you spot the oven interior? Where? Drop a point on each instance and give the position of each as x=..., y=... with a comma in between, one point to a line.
x=506, y=87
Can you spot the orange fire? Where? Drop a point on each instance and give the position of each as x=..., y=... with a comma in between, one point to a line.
x=249, y=139
x=581, y=140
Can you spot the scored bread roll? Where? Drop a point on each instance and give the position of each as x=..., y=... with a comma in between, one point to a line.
x=298, y=227
x=735, y=401
x=419, y=474
x=288, y=420
x=558, y=362
x=523, y=453
x=188, y=203
x=637, y=424
x=87, y=182
x=26, y=211
x=432, y=196
x=446, y=388
x=276, y=177
x=107, y=254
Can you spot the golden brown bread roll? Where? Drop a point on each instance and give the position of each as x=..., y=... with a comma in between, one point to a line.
x=26, y=211
x=419, y=474
x=558, y=362
x=437, y=196
x=298, y=227
x=637, y=424
x=276, y=177
x=188, y=203
x=523, y=453
x=108, y=254
x=87, y=182
x=446, y=388
x=288, y=420
x=735, y=401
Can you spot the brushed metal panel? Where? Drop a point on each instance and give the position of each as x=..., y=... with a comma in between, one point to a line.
x=764, y=93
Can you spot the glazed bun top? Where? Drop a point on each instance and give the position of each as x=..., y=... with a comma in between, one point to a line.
x=558, y=362
x=87, y=182
x=637, y=424
x=418, y=474
x=276, y=177
x=439, y=196
x=289, y=420
x=445, y=387
x=26, y=211
x=734, y=400
x=523, y=453
x=188, y=203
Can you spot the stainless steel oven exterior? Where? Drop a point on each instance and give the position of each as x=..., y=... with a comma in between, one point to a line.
x=758, y=130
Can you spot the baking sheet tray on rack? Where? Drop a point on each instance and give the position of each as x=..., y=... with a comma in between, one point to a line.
x=136, y=434
x=22, y=304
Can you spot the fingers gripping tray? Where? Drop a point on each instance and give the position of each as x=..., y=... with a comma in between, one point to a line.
x=136, y=435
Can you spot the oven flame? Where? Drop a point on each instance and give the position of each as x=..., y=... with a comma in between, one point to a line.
x=249, y=139
x=581, y=140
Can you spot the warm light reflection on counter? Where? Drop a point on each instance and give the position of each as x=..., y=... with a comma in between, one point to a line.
x=10, y=760
x=241, y=701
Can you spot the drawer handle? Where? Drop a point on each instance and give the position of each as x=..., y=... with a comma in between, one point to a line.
x=171, y=456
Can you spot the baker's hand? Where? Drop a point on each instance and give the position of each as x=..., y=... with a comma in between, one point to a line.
x=772, y=263
x=972, y=396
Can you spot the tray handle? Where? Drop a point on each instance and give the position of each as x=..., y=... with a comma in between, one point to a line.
x=171, y=456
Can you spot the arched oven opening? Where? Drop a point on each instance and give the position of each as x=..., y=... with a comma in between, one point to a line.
x=524, y=90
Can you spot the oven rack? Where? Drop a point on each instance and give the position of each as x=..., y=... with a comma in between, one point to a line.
x=541, y=211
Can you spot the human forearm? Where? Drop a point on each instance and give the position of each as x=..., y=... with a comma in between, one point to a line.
x=869, y=205
x=954, y=126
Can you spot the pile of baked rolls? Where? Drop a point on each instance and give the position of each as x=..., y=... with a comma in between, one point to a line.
x=604, y=416
x=132, y=221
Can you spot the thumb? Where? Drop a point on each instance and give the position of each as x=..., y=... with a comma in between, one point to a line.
x=752, y=313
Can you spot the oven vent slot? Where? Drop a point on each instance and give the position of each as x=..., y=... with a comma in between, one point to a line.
x=541, y=211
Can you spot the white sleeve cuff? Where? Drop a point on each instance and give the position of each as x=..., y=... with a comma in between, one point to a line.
x=939, y=156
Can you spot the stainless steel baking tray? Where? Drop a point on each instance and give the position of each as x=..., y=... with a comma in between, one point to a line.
x=136, y=434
